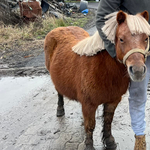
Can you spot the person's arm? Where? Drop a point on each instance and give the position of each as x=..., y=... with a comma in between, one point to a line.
x=106, y=7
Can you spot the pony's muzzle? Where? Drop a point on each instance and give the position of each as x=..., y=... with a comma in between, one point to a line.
x=137, y=73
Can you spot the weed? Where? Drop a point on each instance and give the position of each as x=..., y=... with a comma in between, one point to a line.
x=33, y=31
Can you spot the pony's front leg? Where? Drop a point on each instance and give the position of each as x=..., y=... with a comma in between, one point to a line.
x=108, y=113
x=89, y=124
x=60, y=107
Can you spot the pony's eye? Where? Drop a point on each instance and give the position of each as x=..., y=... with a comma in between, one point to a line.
x=121, y=40
x=146, y=40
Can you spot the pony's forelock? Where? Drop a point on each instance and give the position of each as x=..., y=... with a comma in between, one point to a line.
x=136, y=23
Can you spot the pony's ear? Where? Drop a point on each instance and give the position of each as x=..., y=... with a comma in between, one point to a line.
x=145, y=15
x=121, y=17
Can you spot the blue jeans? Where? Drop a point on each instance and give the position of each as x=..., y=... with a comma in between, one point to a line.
x=137, y=101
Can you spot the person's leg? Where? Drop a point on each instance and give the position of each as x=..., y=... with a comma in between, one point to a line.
x=137, y=101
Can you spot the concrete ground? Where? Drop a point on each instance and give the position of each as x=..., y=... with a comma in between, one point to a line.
x=28, y=118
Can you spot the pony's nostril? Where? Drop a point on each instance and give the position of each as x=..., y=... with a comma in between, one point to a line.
x=144, y=69
x=131, y=69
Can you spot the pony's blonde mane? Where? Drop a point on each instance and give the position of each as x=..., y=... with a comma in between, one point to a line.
x=91, y=45
x=110, y=26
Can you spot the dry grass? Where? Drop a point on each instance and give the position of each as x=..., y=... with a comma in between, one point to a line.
x=27, y=36
x=34, y=30
x=16, y=35
x=32, y=35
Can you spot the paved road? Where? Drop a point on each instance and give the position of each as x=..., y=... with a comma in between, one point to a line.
x=28, y=118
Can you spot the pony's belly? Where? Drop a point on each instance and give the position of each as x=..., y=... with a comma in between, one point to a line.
x=71, y=88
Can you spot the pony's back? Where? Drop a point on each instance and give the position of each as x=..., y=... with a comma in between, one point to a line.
x=68, y=36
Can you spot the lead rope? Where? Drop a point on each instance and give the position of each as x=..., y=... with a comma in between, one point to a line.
x=137, y=50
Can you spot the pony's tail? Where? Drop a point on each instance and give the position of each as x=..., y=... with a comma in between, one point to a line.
x=49, y=46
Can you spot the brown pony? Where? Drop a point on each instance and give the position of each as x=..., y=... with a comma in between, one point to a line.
x=98, y=79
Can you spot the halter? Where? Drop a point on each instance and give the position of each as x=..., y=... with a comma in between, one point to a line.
x=137, y=50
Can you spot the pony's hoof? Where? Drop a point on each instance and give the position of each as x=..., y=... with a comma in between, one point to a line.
x=111, y=146
x=110, y=143
x=89, y=147
x=60, y=111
